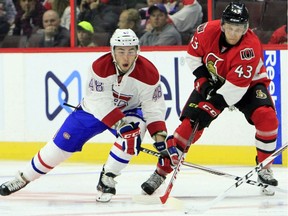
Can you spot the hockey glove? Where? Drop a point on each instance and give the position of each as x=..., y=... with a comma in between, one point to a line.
x=206, y=113
x=204, y=87
x=131, y=140
x=168, y=150
x=165, y=165
x=202, y=84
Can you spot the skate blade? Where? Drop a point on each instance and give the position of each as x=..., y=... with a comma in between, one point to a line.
x=104, y=197
x=267, y=192
x=152, y=200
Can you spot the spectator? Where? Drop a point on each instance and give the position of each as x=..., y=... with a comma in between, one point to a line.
x=144, y=13
x=64, y=10
x=188, y=17
x=171, y=7
x=102, y=16
x=88, y=5
x=85, y=33
x=29, y=17
x=131, y=3
x=48, y=4
x=130, y=19
x=53, y=35
x=162, y=32
x=7, y=16
x=279, y=36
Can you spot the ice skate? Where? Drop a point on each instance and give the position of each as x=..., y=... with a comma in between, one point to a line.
x=106, y=187
x=266, y=176
x=153, y=183
x=13, y=185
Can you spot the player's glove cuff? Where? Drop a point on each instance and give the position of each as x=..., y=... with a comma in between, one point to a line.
x=168, y=149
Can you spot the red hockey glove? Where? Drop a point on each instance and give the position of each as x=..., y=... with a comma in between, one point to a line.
x=203, y=83
x=130, y=133
x=168, y=149
x=164, y=164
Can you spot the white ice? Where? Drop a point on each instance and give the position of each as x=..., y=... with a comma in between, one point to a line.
x=70, y=190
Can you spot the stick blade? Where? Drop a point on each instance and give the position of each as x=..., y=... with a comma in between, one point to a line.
x=146, y=199
x=154, y=200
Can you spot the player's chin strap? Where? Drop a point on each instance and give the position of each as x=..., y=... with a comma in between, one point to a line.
x=217, y=172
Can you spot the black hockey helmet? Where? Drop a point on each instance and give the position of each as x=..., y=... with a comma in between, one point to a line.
x=235, y=13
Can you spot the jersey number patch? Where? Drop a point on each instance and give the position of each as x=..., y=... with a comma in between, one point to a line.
x=244, y=73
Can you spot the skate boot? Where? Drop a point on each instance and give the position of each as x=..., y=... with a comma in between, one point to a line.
x=106, y=186
x=153, y=183
x=266, y=176
x=13, y=185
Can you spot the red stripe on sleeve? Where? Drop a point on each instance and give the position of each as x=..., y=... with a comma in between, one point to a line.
x=42, y=162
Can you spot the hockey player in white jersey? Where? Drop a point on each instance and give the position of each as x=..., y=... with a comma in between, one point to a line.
x=123, y=96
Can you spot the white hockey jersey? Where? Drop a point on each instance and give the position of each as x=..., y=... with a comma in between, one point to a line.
x=108, y=94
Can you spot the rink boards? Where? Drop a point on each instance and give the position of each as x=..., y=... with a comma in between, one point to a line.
x=33, y=87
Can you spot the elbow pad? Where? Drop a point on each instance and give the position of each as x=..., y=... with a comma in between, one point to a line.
x=201, y=71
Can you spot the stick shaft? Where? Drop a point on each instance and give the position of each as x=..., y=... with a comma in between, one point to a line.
x=177, y=169
x=245, y=178
x=217, y=172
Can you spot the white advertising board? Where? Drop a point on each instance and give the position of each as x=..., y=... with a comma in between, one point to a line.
x=1, y=94
x=34, y=89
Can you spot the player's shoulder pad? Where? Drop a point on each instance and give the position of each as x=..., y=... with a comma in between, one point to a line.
x=145, y=71
x=250, y=47
x=251, y=39
x=208, y=27
x=104, y=66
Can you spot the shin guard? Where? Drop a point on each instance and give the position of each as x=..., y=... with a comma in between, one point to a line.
x=266, y=124
x=45, y=160
x=183, y=132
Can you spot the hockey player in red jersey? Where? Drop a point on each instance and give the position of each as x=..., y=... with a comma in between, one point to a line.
x=123, y=96
x=226, y=59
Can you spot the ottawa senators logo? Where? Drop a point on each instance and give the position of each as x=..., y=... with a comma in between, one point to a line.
x=211, y=64
x=260, y=94
x=247, y=54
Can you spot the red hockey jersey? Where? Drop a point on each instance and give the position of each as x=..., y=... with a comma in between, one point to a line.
x=238, y=67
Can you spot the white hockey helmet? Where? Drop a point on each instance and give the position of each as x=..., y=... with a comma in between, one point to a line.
x=124, y=37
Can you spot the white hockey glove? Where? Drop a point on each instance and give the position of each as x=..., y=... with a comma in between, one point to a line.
x=168, y=149
x=131, y=140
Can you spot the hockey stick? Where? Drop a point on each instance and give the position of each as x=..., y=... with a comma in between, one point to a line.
x=239, y=182
x=219, y=173
x=181, y=160
x=162, y=199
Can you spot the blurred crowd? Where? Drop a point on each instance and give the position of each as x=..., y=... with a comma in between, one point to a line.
x=46, y=23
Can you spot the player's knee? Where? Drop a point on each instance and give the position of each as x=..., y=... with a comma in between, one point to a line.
x=264, y=118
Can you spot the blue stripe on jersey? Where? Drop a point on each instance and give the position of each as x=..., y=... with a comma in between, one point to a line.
x=118, y=159
x=34, y=167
